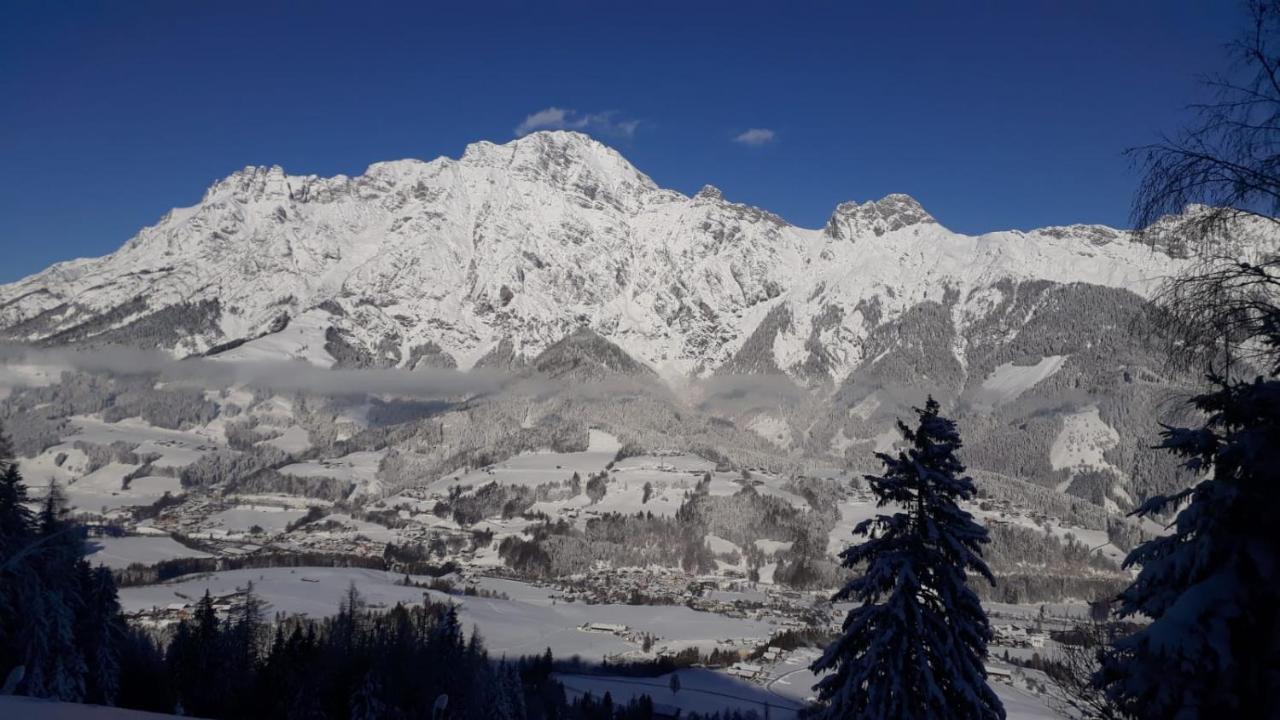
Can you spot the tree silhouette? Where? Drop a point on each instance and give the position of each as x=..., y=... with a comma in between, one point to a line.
x=915, y=647
x=1226, y=308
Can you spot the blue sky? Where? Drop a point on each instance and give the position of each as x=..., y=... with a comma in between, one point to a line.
x=993, y=114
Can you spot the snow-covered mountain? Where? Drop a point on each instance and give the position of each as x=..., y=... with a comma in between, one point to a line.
x=495, y=256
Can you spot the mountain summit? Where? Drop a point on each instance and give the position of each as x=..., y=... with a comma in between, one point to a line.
x=894, y=212
x=512, y=247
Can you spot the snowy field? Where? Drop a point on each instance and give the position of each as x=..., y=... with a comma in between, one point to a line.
x=528, y=623
x=24, y=708
x=102, y=490
x=791, y=678
x=852, y=512
x=537, y=468
x=303, y=340
x=669, y=479
x=360, y=468
x=701, y=690
x=350, y=528
x=1085, y=436
x=787, y=688
x=294, y=439
x=241, y=519
x=177, y=448
x=119, y=553
x=1008, y=381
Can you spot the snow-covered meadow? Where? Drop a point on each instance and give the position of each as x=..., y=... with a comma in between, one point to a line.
x=118, y=553
x=527, y=622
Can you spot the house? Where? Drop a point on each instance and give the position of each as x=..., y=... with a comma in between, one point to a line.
x=1000, y=674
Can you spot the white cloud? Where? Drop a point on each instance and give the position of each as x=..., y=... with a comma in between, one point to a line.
x=609, y=122
x=551, y=118
x=291, y=376
x=756, y=136
x=281, y=376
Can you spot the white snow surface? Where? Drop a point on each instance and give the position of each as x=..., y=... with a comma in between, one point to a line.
x=120, y=553
x=789, y=685
x=239, y=519
x=524, y=241
x=792, y=679
x=1009, y=381
x=701, y=690
x=527, y=624
x=1085, y=436
x=360, y=468
x=177, y=448
x=24, y=708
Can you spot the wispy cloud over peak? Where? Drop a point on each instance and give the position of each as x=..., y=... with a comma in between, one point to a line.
x=755, y=136
x=609, y=122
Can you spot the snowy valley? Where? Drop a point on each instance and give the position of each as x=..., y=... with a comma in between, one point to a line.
x=600, y=416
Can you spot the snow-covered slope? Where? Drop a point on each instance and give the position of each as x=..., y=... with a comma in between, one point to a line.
x=495, y=256
x=25, y=708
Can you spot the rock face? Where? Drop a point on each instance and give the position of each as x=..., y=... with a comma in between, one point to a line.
x=683, y=324
x=895, y=212
x=498, y=255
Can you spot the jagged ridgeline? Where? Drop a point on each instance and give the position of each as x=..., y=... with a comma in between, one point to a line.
x=678, y=323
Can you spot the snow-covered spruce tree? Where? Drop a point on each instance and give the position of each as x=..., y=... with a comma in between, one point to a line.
x=18, y=579
x=366, y=701
x=915, y=647
x=99, y=630
x=504, y=692
x=1211, y=586
x=55, y=665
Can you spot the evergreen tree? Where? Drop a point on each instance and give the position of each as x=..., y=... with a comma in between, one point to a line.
x=514, y=690
x=55, y=664
x=243, y=636
x=99, y=631
x=1211, y=587
x=502, y=695
x=246, y=627
x=347, y=622
x=195, y=659
x=366, y=702
x=15, y=516
x=145, y=682
x=915, y=647
x=447, y=635
x=6, y=449
x=180, y=657
x=18, y=579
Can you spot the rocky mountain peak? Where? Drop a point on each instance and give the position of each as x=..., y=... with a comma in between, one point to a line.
x=1091, y=234
x=564, y=161
x=709, y=192
x=498, y=253
x=892, y=212
x=253, y=183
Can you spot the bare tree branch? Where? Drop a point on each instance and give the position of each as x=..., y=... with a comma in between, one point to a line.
x=1072, y=668
x=1224, y=311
